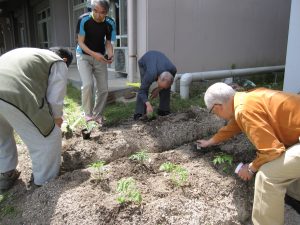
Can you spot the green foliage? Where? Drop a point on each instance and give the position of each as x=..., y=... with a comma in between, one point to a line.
x=141, y=156
x=179, y=175
x=5, y=208
x=117, y=112
x=99, y=167
x=72, y=106
x=178, y=104
x=223, y=159
x=128, y=192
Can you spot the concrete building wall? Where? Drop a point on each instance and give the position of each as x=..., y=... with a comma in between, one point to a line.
x=292, y=69
x=202, y=35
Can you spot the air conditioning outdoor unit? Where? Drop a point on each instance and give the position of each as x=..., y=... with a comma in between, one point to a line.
x=121, y=59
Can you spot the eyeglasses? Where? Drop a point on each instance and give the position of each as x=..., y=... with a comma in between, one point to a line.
x=213, y=107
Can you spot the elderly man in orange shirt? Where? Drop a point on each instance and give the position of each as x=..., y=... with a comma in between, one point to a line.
x=271, y=120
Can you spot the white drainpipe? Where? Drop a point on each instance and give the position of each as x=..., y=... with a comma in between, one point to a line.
x=132, y=40
x=177, y=77
x=187, y=78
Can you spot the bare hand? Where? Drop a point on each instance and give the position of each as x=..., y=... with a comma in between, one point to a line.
x=203, y=143
x=58, y=122
x=99, y=57
x=244, y=174
x=149, y=107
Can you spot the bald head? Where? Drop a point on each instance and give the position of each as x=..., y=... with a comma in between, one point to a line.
x=165, y=80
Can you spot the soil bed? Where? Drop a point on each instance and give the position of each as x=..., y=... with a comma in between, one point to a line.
x=210, y=195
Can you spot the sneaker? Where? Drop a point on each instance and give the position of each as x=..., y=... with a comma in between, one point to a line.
x=295, y=204
x=8, y=179
x=88, y=118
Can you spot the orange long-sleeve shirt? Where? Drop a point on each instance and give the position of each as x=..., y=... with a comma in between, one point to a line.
x=269, y=118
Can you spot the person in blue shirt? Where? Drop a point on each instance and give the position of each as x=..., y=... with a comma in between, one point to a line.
x=154, y=67
x=94, y=51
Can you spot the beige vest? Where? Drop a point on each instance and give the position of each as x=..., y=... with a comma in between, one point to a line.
x=24, y=76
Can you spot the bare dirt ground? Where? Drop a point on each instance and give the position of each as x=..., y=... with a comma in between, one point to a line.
x=211, y=195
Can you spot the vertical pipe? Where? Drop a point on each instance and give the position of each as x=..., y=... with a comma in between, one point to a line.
x=132, y=40
x=291, y=80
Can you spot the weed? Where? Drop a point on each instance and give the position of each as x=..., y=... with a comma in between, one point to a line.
x=128, y=191
x=99, y=167
x=141, y=156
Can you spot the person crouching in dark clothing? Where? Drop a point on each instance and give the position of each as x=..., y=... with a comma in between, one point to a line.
x=155, y=70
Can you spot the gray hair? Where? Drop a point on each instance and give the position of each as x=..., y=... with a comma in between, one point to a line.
x=218, y=93
x=167, y=76
x=103, y=3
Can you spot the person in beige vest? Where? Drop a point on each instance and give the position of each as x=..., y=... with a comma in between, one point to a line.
x=271, y=121
x=32, y=89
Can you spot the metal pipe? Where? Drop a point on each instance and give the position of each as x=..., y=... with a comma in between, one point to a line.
x=188, y=78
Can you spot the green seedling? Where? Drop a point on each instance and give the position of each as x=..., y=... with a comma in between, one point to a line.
x=223, y=159
x=141, y=157
x=151, y=116
x=128, y=192
x=179, y=175
x=99, y=167
x=90, y=126
x=167, y=167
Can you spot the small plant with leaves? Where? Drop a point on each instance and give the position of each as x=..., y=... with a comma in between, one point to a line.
x=90, y=126
x=99, y=167
x=141, y=157
x=223, y=159
x=128, y=192
x=151, y=116
x=179, y=175
x=167, y=167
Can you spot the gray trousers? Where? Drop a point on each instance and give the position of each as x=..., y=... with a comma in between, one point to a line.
x=164, y=98
x=90, y=69
x=45, y=152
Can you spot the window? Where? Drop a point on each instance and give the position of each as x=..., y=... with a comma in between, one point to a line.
x=43, y=28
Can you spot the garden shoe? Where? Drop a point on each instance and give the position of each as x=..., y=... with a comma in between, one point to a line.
x=8, y=179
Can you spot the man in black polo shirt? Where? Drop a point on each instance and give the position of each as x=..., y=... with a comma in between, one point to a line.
x=94, y=52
